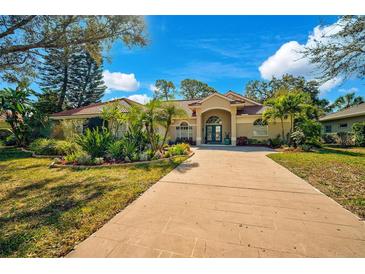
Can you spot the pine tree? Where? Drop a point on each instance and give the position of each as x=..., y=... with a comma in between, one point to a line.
x=74, y=76
x=87, y=81
x=56, y=72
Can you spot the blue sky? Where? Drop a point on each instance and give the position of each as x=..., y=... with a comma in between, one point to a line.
x=223, y=51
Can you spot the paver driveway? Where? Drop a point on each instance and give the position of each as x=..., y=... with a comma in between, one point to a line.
x=229, y=202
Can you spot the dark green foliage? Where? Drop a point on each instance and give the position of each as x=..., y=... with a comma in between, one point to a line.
x=194, y=89
x=71, y=78
x=88, y=78
x=347, y=100
x=275, y=142
x=345, y=138
x=10, y=140
x=24, y=119
x=4, y=133
x=359, y=133
x=43, y=146
x=116, y=150
x=329, y=138
x=311, y=130
x=95, y=142
x=263, y=90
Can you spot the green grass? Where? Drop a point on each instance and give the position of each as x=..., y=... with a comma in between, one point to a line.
x=45, y=212
x=337, y=172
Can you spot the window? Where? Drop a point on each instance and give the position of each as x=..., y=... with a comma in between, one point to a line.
x=214, y=120
x=328, y=128
x=343, y=125
x=260, y=128
x=184, y=131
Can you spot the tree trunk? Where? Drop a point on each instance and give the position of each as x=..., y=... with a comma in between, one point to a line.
x=165, y=135
x=282, y=128
x=64, y=89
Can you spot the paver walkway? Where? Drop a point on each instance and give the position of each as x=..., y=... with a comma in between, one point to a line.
x=229, y=202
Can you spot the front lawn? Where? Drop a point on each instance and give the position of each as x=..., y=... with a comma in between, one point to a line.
x=45, y=212
x=337, y=172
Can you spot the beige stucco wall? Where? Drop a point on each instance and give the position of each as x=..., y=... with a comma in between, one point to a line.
x=245, y=127
x=172, y=135
x=336, y=123
x=215, y=102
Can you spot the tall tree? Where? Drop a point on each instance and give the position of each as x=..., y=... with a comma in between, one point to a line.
x=194, y=89
x=87, y=80
x=340, y=52
x=56, y=74
x=164, y=90
x=264, y=90
x=24, y=38
x=347, y=100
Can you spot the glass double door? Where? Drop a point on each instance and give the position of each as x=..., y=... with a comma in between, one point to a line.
x=214, y=134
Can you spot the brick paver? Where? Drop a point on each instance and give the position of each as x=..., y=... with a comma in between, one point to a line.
x=229, y=202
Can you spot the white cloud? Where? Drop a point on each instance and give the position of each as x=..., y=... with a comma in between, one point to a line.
x=152, y=87
x=289, y=59
x=140, y=98
x=120, y=81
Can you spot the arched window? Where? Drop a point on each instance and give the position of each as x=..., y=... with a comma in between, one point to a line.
x=260, y=122
x=184, y=131
x=260, y=128
x=214, y=120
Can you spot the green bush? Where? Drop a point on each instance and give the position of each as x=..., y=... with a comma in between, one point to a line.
x=4, y=133
x=298, y=138
x=329, y=138
x=10, y=140
x=116, y=150
x=256, y=142
x=359, y=133
x=44, y=146
x=275, y=142
x=178, y=149
x=95, y=142
x=312, y=132
x=345, y=138
x=79, y=157
x=129, y=149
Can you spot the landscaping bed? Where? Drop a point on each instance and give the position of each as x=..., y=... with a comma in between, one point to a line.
x=337, y=172
x=46, y=212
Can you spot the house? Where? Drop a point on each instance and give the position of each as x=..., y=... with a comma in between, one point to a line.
x=342, y=121
x=215, y=119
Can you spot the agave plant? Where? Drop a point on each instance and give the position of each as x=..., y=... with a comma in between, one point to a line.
x=95, y=142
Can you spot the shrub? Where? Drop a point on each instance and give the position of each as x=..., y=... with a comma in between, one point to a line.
x=242, y=141
x=359, y=133
x=129, y=148
x=256, y=142
x=311, y=130
x=10, y=140
x=178, y=149
x=345, y=138
x=95, y=142
x=298, y=138
x=44, y=146
x=275, y=142
x=79, y=157
x=116, y=150
x=329, y=138
x=4, y=133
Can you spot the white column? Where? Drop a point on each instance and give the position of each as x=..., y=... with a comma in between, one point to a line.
x=198, y=127
x=233, y=125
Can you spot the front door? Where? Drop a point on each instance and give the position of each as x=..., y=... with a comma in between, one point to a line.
x=214, y=134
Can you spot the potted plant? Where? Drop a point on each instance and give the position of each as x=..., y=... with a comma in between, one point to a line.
x=227, y=139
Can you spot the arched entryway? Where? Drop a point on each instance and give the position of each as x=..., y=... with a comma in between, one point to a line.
x=213, y=130
x=216, y=126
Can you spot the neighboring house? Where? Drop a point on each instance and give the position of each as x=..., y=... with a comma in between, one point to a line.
x=208, y=121
x=342, y=121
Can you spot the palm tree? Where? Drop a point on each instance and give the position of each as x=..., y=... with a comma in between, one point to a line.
x=348, y=100
x=275, y=111
x=168, y=112
x=150, y=117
